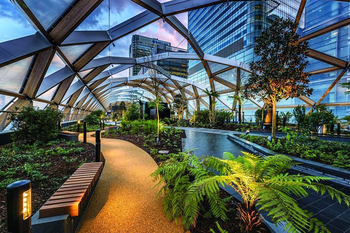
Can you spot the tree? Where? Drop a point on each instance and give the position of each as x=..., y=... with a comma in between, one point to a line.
x=122, y=108
x=264, y=183
x=180, y=105
x=279, y=73
x=133, y=113
x=212, y=102
x=285, y=117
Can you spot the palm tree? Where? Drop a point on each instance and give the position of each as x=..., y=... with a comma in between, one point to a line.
x=212, y=102
x=262, y=182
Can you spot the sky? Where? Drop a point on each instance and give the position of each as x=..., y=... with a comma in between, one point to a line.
x=13, y=24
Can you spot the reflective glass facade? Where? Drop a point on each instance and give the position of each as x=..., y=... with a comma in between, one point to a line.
x=229, y=30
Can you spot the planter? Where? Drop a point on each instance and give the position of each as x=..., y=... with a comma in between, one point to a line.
x=307, y=164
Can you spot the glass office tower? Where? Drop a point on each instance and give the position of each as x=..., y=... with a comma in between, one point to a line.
x=144, y=46
x=229, y=30
x=318, y=15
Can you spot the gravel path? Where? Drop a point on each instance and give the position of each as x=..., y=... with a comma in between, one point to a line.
x=124, y=199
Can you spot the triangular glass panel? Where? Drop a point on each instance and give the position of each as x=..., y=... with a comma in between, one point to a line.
x=316, y=65
x=4, y=101
x=55, y=65
x=73, y=52
x=48, y=94
x=13, y=75
x=215, y=67
x=39, y=105
x=47, y=12
x=230, y=76
x=220, y=87
x=331, y=11
x=118, y=11
x=84, y=73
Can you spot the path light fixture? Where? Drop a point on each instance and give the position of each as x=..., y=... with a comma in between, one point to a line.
x=98, y=145
x=19, y=206
x=247, y=132
x=84, y=127
x=78, y=122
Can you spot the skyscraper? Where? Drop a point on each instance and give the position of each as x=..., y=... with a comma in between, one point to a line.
x=229, y=30
x=144, y=46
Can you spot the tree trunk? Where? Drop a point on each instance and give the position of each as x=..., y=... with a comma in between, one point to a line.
x=274, y=120
x=240, y=110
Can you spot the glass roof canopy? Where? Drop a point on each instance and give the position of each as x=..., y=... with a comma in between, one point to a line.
x=63, y=66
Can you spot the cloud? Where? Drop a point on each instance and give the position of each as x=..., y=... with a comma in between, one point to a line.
x=10, y=11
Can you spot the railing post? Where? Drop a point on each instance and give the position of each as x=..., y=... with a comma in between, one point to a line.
x=59, y=125
x=98, y=145
x=338, y=129
x=103, y=125
x=84, y=131
x=19, y=206
x=78, y=127
x=100, y=124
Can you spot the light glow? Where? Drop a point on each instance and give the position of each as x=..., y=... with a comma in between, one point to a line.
x=27, y=204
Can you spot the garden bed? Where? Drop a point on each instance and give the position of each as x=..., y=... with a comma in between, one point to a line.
x=333, y=153
x=46, y=165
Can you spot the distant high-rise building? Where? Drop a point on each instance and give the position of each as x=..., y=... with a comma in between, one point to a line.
x=144, y=46
x=229, y=30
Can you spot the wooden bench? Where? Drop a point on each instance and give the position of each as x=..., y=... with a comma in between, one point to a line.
x=72, y=196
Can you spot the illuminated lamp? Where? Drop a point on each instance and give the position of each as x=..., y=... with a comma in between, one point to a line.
x=19, y=206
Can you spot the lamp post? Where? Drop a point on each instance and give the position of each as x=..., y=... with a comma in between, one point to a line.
x=19, y=206
x=98, y=145
x=84, y=131
x=103, y=126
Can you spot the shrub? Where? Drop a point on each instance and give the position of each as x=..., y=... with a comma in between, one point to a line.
x=133, y=113
x=94, y=118
x=32, y=125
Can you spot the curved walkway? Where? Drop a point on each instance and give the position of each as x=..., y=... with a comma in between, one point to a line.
x=124, y=199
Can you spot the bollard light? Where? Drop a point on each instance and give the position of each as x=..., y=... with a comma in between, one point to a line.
x=19, y=206
x=84, y=131
x=247, y=132
x=98, y=145
x=78, y=122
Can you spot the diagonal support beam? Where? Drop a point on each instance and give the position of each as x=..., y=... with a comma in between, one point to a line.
x=327, y=59
x=73, y=18
x=331, y=86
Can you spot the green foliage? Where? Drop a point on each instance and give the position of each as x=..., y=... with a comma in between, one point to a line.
x=284, y=117
x=346, y=85
x=180, y=105
x=222, y=117
x=299, y=113
x=202, y=116
x=132, y=113
x=320, y=116
x=300, y=145
x=94, y=118
x=175, y=176
x=262, y=182
x=31, y=124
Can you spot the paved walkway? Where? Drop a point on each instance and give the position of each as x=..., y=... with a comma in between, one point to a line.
x=124, y=199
